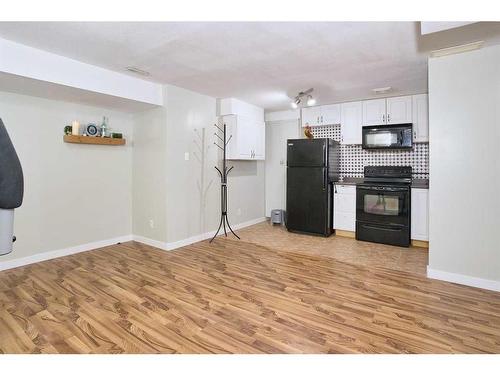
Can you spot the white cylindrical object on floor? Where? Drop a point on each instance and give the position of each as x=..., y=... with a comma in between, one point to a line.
x=6, y=230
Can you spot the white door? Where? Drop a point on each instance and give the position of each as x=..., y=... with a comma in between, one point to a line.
x=399, y=110
x=344, y=207
x=311, y=116
x=351, y=123
x=277, y=134
x=330, y=114
x=374, y=112
x=420, y=118
x=245, y=137
x=420, y=214
x=260, y=141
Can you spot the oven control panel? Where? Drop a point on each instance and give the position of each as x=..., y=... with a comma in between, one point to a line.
x=388, y=171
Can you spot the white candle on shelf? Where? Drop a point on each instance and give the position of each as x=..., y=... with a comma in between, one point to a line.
x=75, y=128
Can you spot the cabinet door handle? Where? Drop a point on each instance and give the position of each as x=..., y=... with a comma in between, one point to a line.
x=388, y=118
x=383, y=119
x=415, y=135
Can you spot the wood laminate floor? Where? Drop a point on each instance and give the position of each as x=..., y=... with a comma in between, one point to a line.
x=369, y=254
x=236, y=297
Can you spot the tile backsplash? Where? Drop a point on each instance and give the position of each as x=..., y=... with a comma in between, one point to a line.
x=353, y=158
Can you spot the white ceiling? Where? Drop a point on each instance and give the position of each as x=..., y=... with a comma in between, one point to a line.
x=263, y=63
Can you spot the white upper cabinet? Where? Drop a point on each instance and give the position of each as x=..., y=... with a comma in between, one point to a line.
x=245, y=124
x=399, y=110
x=351, y=123
x=260, y=142
x=330, y=114
x=352, y=116
x=374, y=112
x=247, y=138
x=420, y=214
x=321, y=115
x=420, y=118
x=311, y=116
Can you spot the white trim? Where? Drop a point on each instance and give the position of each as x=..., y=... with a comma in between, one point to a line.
x=14, y=263
x=149, y=241
x=279, y=116
x=61, y=252
x=463, y=279
x=193, y=239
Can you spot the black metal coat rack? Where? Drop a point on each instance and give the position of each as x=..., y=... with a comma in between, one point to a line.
x=223, y=183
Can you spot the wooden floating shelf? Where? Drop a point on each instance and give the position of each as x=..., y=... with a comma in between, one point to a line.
x=94, y=140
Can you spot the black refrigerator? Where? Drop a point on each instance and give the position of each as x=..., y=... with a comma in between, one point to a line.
x=312, y=167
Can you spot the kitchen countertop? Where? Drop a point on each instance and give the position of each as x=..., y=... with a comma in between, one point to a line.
x=417, y=183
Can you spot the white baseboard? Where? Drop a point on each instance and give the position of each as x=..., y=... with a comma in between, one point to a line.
x=463, y=279
x=14, y=263
x=149, y=241
x=193, y=239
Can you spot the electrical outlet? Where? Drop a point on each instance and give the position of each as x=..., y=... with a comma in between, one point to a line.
x=151, y=223
x=238, y=212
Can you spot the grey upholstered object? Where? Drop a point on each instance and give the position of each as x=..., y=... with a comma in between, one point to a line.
x=11, y=173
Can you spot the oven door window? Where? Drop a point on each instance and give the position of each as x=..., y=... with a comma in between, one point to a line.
x=380, y=204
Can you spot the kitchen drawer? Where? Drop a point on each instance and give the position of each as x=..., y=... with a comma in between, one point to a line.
x=345, y=189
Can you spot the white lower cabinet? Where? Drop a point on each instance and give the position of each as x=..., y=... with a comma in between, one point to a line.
x=344, y=207
x=420, y=214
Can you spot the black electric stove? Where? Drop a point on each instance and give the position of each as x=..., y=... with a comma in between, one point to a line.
x=383, y=205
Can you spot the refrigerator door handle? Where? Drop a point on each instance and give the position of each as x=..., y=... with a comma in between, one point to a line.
x=325, y=177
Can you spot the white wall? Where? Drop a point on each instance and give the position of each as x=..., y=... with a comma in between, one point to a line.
x=185, y=199
x=464, y=115
x=149, y=175
x=82, y=194
x=193, y=186
x=276, y=135
x=74, y=194
x=192, y=198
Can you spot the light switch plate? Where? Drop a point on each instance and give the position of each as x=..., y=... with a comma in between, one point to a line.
x=186, y=156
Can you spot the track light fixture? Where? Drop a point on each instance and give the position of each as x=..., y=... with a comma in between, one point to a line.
x=300, y=96
x=310, y=100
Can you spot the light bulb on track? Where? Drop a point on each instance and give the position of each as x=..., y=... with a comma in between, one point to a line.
x=311, y=101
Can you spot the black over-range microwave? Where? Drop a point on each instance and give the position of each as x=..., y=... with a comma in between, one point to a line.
x=388, y=136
